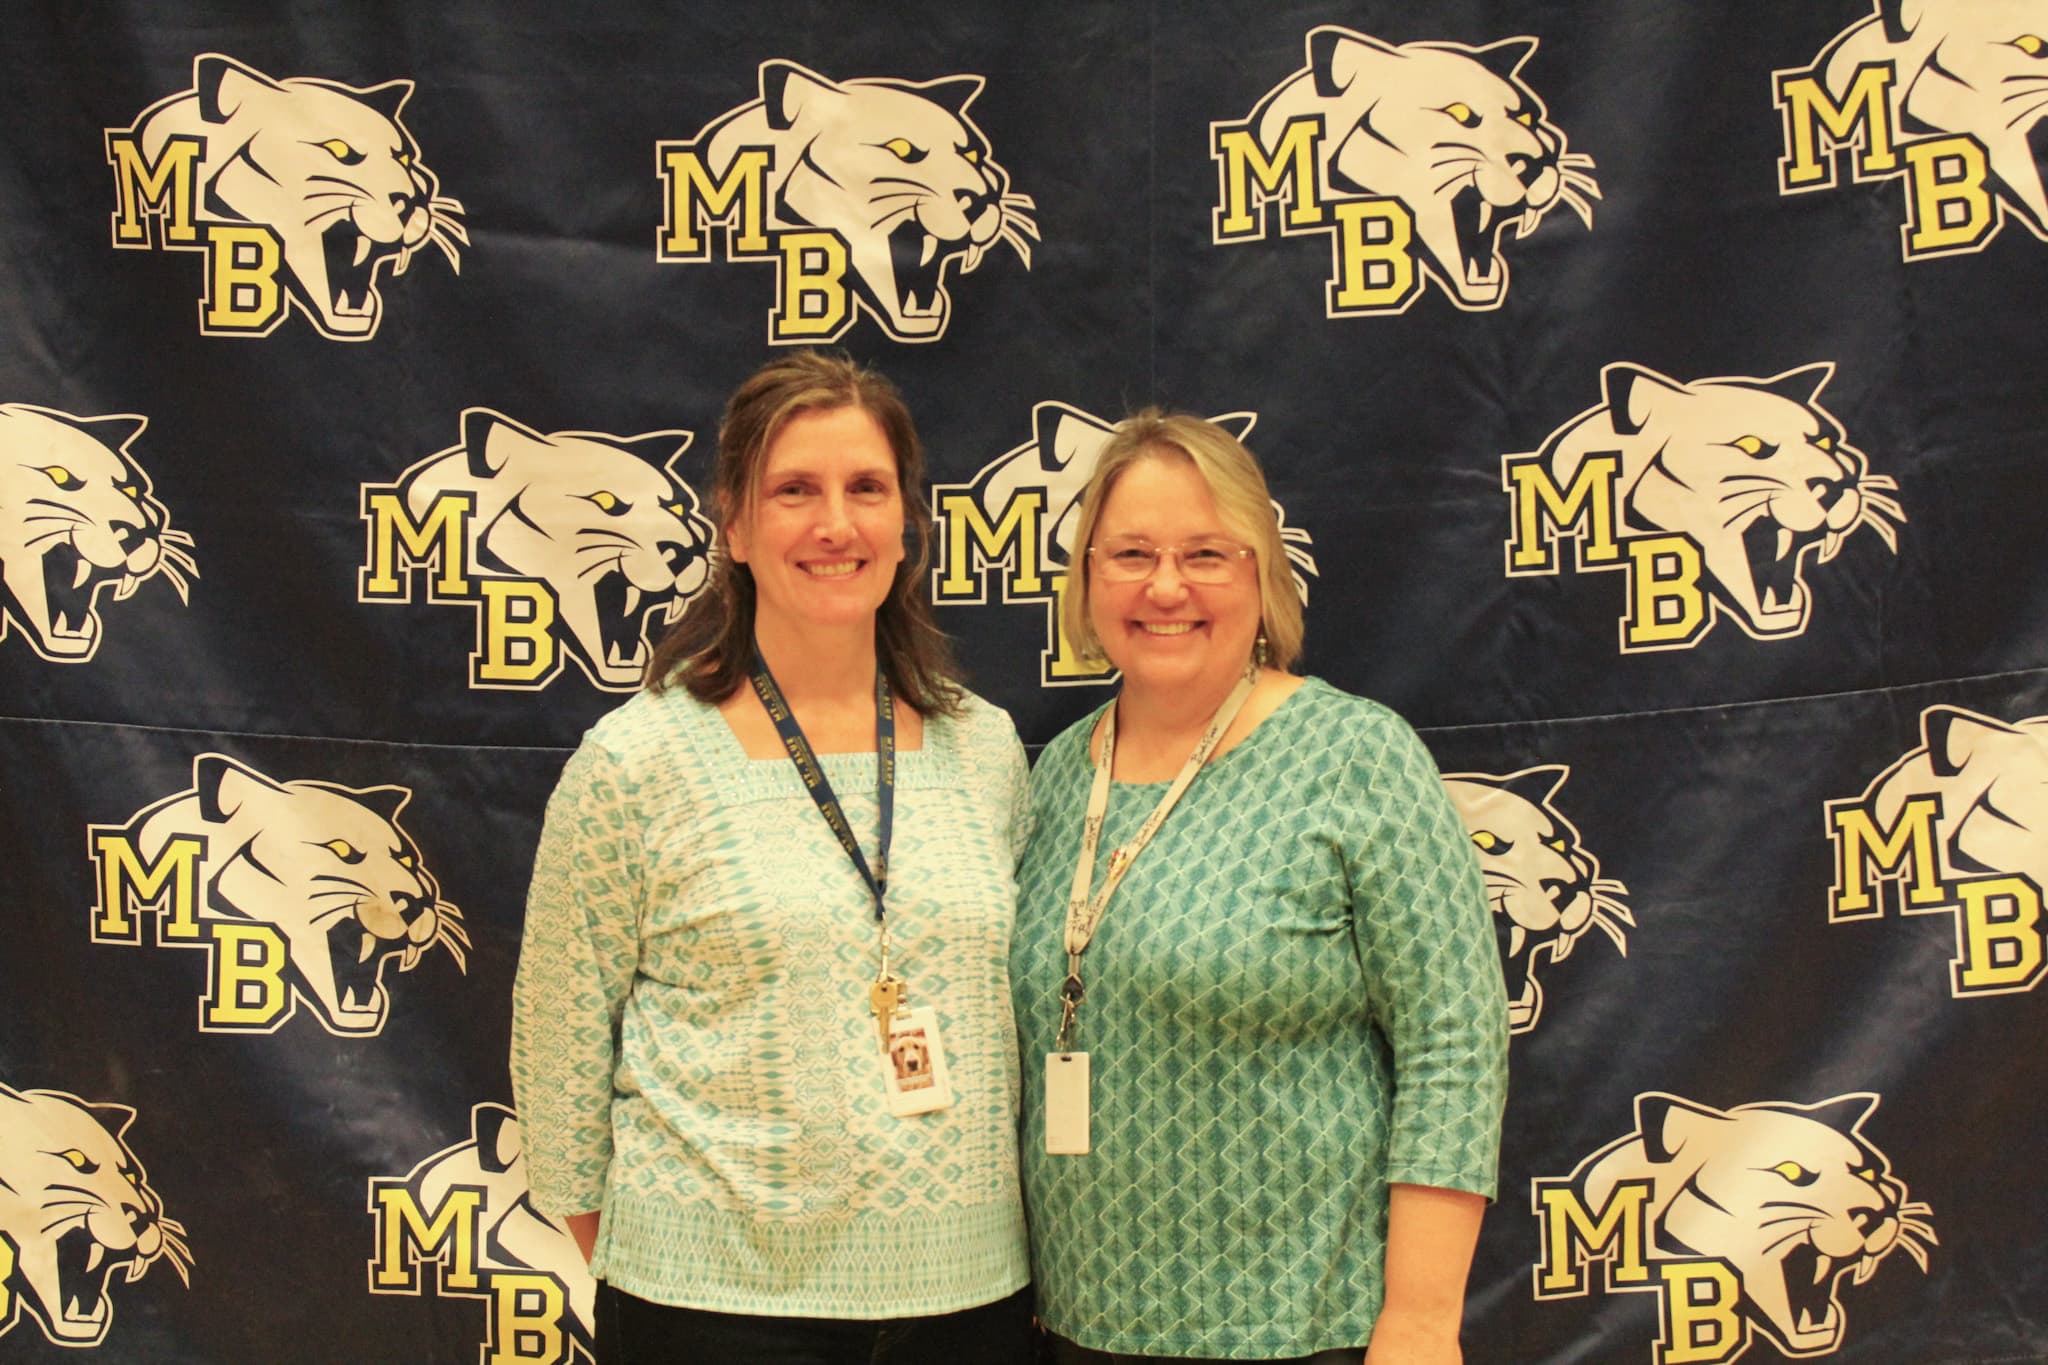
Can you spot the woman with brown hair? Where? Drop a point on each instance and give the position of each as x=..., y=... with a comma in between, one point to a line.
x=762, y=1044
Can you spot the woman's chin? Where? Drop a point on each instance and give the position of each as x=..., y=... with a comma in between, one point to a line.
x=824, y=611
x=1162, y=665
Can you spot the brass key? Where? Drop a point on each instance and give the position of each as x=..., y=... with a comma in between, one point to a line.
x=885, y=997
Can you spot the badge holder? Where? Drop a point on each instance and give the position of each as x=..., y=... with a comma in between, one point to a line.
x=1066, y=1103
x=914, y=1064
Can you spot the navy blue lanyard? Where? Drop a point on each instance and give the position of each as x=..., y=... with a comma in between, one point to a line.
x=815, y=782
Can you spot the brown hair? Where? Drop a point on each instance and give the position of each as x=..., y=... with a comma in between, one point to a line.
x=1239, y=487
x=711, y=649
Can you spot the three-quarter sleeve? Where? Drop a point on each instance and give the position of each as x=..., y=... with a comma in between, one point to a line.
x=1016, y=779
x=1431, y=963
x=576, y=961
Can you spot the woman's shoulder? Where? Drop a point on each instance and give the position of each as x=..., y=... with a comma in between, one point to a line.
x=648, y=722
x=1329, y=705
x=976, y=721
x=1342, y=728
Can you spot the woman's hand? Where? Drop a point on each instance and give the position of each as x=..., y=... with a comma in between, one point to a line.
x=1400, y=1338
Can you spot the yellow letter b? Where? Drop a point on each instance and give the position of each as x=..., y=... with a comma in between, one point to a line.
x=811, y=302
x=526, y=1320
x=515, y=630
x=247, y=991
x=1666, y=608
x=1947, y=206
x=242, y=293
x=1999, y=932
x=1701, y=1324
x=1372, y=271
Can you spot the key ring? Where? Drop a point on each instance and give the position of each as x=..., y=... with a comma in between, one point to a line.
x=1071, y=995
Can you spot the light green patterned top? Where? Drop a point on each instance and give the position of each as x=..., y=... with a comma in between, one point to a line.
x=1294, y=999
x=691, y=1043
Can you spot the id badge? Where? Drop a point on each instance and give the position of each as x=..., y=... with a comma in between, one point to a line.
x=1066, y=1103
x=914, y=1067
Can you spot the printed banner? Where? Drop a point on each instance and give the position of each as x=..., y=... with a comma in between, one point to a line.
x=1651, y=403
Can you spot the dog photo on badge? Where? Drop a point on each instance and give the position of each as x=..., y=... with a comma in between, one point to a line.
x=914, y=1065
x=912, y=1059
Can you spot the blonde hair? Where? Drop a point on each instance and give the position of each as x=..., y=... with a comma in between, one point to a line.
x=1238, y=485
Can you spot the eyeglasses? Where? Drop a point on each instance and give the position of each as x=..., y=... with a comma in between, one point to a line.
x=1199, y=561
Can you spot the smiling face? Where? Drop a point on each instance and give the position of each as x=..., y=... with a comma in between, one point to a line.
x=1166, y=632
x=822, y=533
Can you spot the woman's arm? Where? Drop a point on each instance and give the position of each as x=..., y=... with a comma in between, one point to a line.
x=1432, y=966
x=1430, y=1237
x=576, y=959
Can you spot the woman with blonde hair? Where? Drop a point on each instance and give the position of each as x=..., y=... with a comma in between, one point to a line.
x=762, y=1043
x=1264, y=1029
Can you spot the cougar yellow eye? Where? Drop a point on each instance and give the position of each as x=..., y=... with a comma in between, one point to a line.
x=971, y=157
x=904, y=150
x=79, y=1160
x=62, y=477
x=1486, y=841
x=1526, y=119
x=606, y=502
x=1462, y=114
x=1825, y=442
x=1795, y=1173
x=1557, y=845
x=2030, y=44
x=1748, y=445
x=341, y=151
x=344, y=850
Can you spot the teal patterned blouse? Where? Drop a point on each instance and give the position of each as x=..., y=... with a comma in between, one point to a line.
x=1294, y=1000
x=691, y=1043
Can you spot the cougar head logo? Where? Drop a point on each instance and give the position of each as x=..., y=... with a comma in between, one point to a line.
x=895, y=168
x=1450, y=131
x=601, y=520
x=1546, y=890
x=1752, y=471
x=78, y=1209
x=1978, y=67
x=326, y=866
x=1790, y=1197
x=77, y=518
x=327, y=167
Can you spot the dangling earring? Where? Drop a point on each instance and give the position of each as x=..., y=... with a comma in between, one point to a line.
x=1260, y=653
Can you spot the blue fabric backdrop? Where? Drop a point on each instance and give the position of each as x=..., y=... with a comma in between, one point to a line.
x=1652, y=395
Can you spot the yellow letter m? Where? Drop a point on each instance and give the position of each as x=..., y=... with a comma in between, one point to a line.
x=1809, y=110
x=1242, y=163
x=162, y=189
x=695, y=199
x=1573, y=1235
x=448, y=1236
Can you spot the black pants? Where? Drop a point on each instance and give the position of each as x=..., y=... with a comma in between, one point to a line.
x=632, y=1331
x=1068, y=1353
